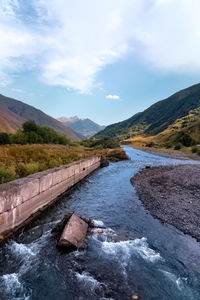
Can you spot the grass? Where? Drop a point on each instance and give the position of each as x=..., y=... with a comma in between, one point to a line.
x=18, y=161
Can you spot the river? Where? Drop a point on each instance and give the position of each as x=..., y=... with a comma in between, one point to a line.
x=136, y=255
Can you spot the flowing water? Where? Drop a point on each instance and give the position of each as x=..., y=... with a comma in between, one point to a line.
x=135, y=256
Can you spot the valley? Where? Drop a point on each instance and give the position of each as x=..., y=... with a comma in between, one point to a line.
x=170, y=123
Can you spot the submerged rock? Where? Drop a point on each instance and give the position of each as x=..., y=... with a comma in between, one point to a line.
x=97, y=231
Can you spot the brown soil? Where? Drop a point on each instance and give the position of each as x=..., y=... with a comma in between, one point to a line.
x=172, y=194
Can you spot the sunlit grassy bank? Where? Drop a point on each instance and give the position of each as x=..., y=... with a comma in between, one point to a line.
x=21, y=160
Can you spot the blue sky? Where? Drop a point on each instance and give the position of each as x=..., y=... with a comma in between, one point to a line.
x=105, y=60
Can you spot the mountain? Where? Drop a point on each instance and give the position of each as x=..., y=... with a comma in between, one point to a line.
x=160, y=117
x=14, y=113
x=85, y=127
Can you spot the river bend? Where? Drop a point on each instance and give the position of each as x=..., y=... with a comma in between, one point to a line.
x=136, y=254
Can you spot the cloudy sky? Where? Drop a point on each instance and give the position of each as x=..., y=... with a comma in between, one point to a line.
x=102, y=59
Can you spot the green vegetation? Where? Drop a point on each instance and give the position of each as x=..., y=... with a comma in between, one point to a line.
x=158, y=117
x=196, y=150
x=170, y=123
x=104, y=142
x=34, y=134
x=17, y=161
x=183, y=137
x=6, y=175
x=114, y=155
x=4, y=138
x=21, y=160
x=14, y=113
x=150, y=144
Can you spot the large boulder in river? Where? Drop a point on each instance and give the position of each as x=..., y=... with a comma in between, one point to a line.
x=74, y=233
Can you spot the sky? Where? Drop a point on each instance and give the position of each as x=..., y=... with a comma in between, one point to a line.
x=104, y=60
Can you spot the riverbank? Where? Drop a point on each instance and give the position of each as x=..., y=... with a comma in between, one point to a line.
x=168, y=152
x=172, y=194
x=17, y=161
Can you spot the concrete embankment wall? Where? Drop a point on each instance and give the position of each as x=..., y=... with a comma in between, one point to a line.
x=21, y=199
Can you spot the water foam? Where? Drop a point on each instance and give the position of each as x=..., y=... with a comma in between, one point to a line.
x=10, y=281
x=12, y=286
x=88, y=280
x=27, y=253
x=126, y=248
x=98, y=223
x=20, y=249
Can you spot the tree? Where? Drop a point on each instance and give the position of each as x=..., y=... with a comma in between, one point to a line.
x=4, y=138
x=30, y=126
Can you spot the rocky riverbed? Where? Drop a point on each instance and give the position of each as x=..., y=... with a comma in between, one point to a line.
x=172, y=194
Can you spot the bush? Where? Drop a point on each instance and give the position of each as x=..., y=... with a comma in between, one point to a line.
x=6, y=175
x=102, y=143
x=116, y=155
x=35, y=134
x=194, y=149
x=151, y=144
x=30, y=126
x=4, y=138
x=25, y=169
x=167, y=146
x=177, y=147
x=18, y=138
x=185, y=139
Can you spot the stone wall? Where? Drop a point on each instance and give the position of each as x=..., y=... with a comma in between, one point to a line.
x=21, y=199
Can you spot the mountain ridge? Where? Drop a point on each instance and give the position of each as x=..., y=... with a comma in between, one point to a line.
x=158, y=117
x=85, y=127
x=13, y=113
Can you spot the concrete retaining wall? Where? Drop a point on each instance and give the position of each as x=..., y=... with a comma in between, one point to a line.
x=22, y=198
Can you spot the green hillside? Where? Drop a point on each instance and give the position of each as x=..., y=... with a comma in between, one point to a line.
x=157, y=117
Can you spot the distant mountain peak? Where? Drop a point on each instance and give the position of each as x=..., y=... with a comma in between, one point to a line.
x=85, y=127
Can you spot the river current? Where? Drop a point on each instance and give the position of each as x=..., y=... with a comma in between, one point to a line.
x=136, y=255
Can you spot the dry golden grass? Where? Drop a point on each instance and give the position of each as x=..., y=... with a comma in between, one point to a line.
x=189, y=124
x=142, y=141
x=21, y=160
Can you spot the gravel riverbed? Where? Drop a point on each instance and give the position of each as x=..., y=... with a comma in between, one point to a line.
x=172, y=194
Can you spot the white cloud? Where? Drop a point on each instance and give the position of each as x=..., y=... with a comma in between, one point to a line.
x=69, y=42
x=114, y=97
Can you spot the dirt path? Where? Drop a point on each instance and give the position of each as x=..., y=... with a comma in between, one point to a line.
x=172, y=194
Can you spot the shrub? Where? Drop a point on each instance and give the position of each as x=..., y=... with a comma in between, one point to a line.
x=116, y=155
x=177, y=147
x=25, y=169
x=167, y=146
x=6, y=175
x=35, y=134
x=4, y=138
x=150, y=144
x=194, y=149
x=185, y=139
x=18, y=138
x=101, y=143
x=30, y=126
